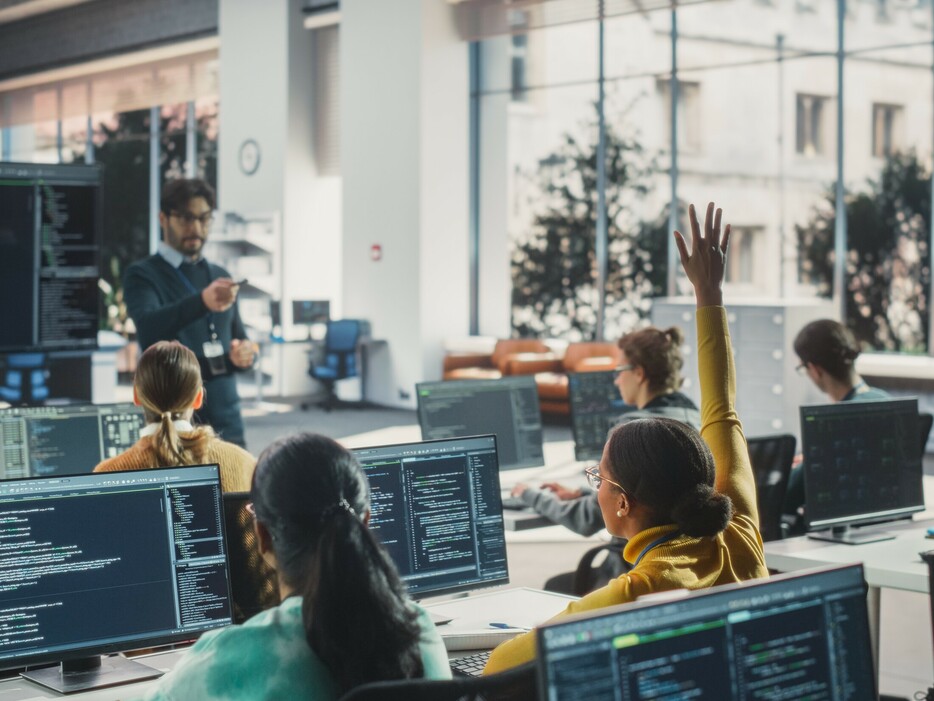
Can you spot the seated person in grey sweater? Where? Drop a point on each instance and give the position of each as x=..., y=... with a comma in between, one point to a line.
x=649, y=379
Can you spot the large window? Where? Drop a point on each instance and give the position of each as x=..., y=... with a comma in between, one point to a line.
x=756, y=130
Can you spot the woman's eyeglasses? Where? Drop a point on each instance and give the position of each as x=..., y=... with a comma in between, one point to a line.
x=595, y=479
x=624, y=368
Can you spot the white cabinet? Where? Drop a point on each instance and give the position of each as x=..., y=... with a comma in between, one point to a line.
x=768, y=390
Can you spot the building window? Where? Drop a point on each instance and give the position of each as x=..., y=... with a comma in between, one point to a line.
x=689, y=113
x=518, y=65
x=811, y=112
x=886, y=129
x=740, y=264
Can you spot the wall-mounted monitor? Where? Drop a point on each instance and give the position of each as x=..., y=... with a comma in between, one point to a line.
x=50, y=240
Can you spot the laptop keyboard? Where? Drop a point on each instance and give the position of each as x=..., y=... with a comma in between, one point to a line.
x=513, y=503
x=471, y=665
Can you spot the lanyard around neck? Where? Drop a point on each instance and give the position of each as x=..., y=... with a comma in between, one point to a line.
x=654, y=544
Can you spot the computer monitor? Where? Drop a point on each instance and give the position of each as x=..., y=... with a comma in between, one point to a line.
x=507, y=407
x=790, y=637
x=254, y=586
x=436, y=508
x=596, y=406
x=65, y=440
x=862, y=464
x=311, y=311
x=100, y=563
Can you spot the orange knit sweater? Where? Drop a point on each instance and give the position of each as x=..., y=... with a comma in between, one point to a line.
x=236, y=465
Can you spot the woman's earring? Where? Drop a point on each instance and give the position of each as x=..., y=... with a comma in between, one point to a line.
x=619, y=513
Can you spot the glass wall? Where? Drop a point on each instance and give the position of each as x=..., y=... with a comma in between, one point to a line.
x=756, y=131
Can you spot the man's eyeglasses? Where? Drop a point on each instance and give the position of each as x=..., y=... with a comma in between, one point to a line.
x=624, y=368
x=188, y=219
x=595, y=479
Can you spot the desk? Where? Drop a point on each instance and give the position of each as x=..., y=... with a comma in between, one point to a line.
x=18, y=689
x=892, y=564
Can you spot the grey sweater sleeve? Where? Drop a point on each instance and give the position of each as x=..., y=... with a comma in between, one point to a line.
x=581, y=515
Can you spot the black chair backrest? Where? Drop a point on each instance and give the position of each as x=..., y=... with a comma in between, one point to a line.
x=928, y=557
x=513, y=685
x=924, y=429
x=253, y=583
x=771, y=458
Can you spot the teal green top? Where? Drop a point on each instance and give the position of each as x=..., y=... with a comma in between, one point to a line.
x=267, y=658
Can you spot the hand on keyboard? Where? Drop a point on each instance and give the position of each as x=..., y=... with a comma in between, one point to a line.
x=513, y=503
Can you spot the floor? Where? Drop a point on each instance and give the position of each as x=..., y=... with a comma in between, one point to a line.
x=907, y=662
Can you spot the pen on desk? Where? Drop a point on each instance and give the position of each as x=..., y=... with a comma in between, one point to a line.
x=506, y=626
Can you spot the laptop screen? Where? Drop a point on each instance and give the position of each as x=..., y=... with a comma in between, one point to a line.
x=436, y=508
x=790, y=637
x=507, y=407
x=65, y=440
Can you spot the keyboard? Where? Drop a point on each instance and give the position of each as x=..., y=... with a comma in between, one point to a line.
x=471, y=665
x=513, y=503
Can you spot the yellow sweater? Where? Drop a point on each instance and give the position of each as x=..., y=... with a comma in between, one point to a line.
x=687, y=562
x=236, y=465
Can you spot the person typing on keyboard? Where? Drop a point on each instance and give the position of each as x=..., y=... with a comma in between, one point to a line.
x=686, y=502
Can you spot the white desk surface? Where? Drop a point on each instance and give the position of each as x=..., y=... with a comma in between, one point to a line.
x=18, y=689
x=892, y=564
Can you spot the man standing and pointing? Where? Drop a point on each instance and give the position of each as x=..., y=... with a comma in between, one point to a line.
x=175, y=294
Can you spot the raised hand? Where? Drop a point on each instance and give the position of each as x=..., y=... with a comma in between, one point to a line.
x=706, y=263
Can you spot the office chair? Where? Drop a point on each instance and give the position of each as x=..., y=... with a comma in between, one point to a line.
x=771, y=458
x=24, y=379
x=511, y=685
x=928, y=557
x=253, y=584
x=340, y=357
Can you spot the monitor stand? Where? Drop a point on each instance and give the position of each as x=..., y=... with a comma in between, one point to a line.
x=90, y=673
x=851, y=536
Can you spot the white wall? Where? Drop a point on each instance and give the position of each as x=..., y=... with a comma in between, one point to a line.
x=266, y=95
x=404, y=162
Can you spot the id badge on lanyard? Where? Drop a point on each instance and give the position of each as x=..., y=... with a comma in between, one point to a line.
x=213, y=349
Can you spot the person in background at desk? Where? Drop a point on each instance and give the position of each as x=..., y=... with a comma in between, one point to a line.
x=167, y=385
x=688, y=510
x=176, y=294
x=648, y=379
x=828, y=353
x=344, y=620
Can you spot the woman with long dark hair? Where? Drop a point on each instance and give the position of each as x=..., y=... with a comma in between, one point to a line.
x=344, y=619
x=685, y=501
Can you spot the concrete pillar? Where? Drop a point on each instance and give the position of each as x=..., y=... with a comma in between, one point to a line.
x=404, y=161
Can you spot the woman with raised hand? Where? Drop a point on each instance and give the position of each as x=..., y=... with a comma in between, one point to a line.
x=344, y=620
x=168, y=387
x=685, y=501
x=649, y=378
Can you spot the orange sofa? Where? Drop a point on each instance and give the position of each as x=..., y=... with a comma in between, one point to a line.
x=533, y=357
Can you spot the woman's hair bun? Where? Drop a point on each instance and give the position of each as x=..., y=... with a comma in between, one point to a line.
x=702, y=511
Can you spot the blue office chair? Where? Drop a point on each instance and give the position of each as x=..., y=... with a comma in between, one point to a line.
x=340, y=357
x=24, y=379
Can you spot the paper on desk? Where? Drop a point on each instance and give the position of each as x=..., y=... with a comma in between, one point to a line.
x=521, y=607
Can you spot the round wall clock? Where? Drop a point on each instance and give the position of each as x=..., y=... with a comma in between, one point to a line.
x=249, y=157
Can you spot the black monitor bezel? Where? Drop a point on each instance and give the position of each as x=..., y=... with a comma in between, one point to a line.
x=299, y=304
x=51, y=410
x=442, y=590
x=90, y=649
x=516, y=379
x=822, y=524
x=679, y=596
x=579, y=455
x=86, y=175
